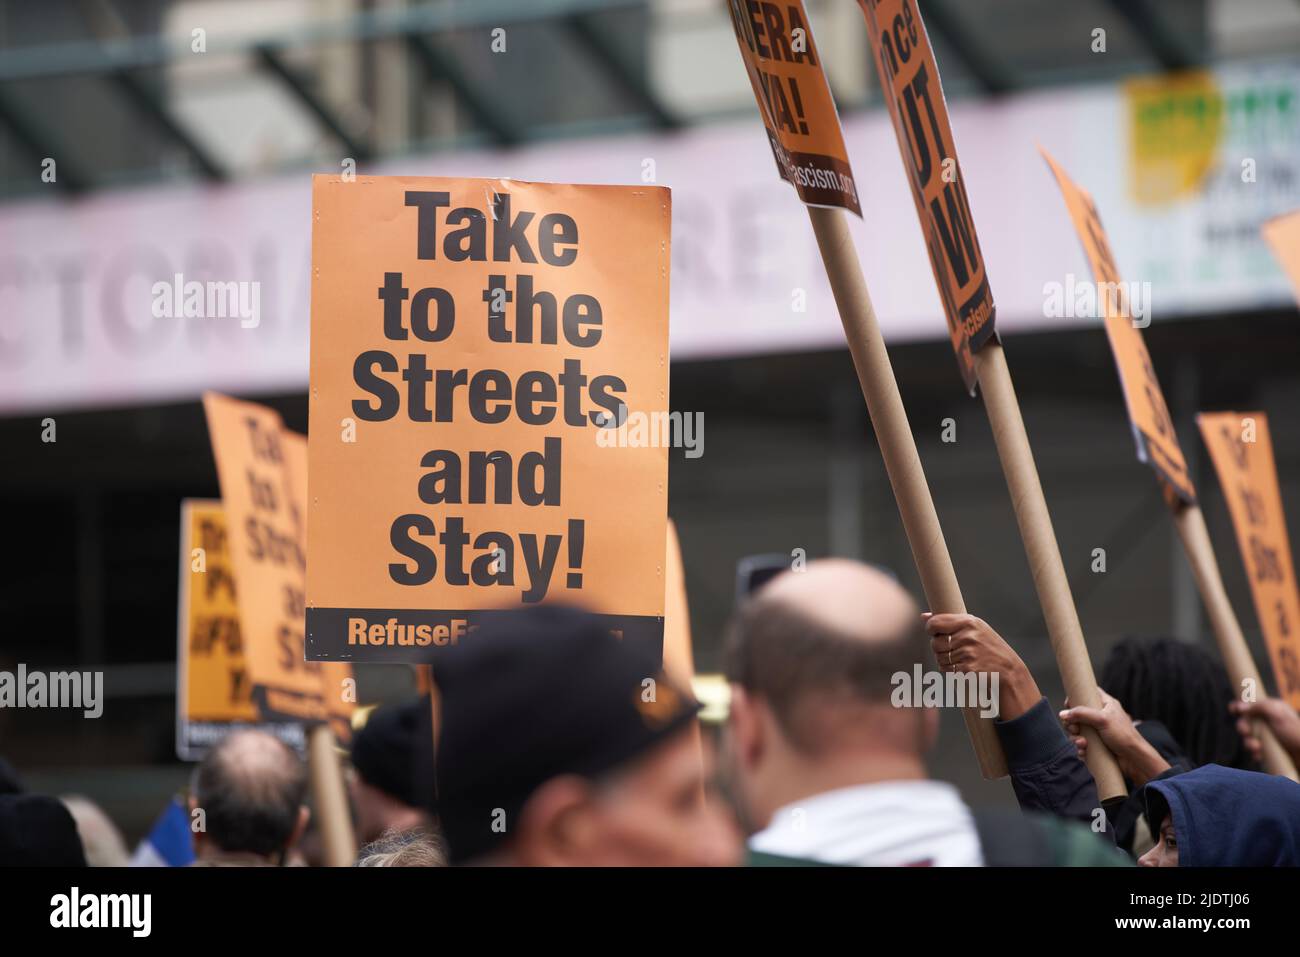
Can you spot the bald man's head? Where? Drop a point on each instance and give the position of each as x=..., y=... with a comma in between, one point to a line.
x=820, y=647
x=251, y=787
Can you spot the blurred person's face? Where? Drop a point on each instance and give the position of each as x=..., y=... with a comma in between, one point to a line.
x=748, y=740
x=1165, y=851
x=651, y=814
x=363, y=806
x=377, y=811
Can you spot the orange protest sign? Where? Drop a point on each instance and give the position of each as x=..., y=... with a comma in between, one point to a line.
x=1242, y=450
x=485, y=355
x=213, y=694
x=263, y=502
x=909, y=78
x=1282, y=233
x=679, y=658
x=1153, y=428
x=795, y=101
x=337, y=684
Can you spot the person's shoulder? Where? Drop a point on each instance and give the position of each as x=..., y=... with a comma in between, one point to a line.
x=755, y=858
x=1075, y=844
x=232, y=861
x=1011, y=838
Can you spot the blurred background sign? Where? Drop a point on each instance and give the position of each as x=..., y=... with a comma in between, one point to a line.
x=1185, y=170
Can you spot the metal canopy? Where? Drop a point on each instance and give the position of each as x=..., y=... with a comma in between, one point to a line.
x=271, y=59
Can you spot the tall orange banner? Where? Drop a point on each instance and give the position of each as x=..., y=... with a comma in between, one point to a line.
x=909, y=78
x=264, y=498
x=337, y=683
x=1242, y=450
x=1153, y=428
x=794, y=100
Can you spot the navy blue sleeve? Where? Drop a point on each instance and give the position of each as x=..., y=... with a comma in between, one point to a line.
x=1046, y=772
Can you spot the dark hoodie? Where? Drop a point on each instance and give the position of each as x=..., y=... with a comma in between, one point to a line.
x=1229, y=818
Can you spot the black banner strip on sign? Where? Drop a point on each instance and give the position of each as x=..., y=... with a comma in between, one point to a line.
x=198, y=737
x=276, y=705
x=822, y=180
x=417, y=636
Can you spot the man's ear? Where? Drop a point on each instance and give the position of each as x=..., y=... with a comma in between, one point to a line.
x=304, y=818
x=555, y=827
x=745, y=721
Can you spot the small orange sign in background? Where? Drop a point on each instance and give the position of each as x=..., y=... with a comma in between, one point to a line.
x=1153, y=428
x=1282, y=233
x=794, y=100
x=910, y=78
x=1242, y=450
x=214, y=692
x=263, y=487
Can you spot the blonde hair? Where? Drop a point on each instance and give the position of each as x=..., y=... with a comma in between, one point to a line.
x=417, y=847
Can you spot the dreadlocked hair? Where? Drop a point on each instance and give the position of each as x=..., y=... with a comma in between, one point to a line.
x=1185, y=688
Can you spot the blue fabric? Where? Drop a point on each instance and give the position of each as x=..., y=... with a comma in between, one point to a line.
x=1229, y=818
x=170, y=836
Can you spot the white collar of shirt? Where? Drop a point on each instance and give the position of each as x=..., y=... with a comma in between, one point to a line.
x=894, y=823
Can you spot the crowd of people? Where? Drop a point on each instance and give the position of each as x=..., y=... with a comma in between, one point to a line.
x=558, y=744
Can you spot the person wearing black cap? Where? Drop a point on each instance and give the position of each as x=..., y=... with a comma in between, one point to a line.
x=391, y=755
x=561, y=744
x=38, y=831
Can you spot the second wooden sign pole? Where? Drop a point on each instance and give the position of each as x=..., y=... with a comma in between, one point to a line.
x=897, y=446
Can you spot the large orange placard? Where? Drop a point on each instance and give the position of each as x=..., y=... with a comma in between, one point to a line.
x=1153, y=428
x=475, y=346
x=909, y=78
x=1242, y=450
x=795, y=101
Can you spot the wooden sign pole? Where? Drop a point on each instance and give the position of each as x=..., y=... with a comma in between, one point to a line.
x=1227, y=630
x=430, y=687
x=897, y=447
x=1044, y=555
x=330, y=797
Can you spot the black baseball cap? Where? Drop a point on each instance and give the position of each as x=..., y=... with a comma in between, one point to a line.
x=393, y=747
x=38, y=831
x=532, y=695
x=10, y=782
